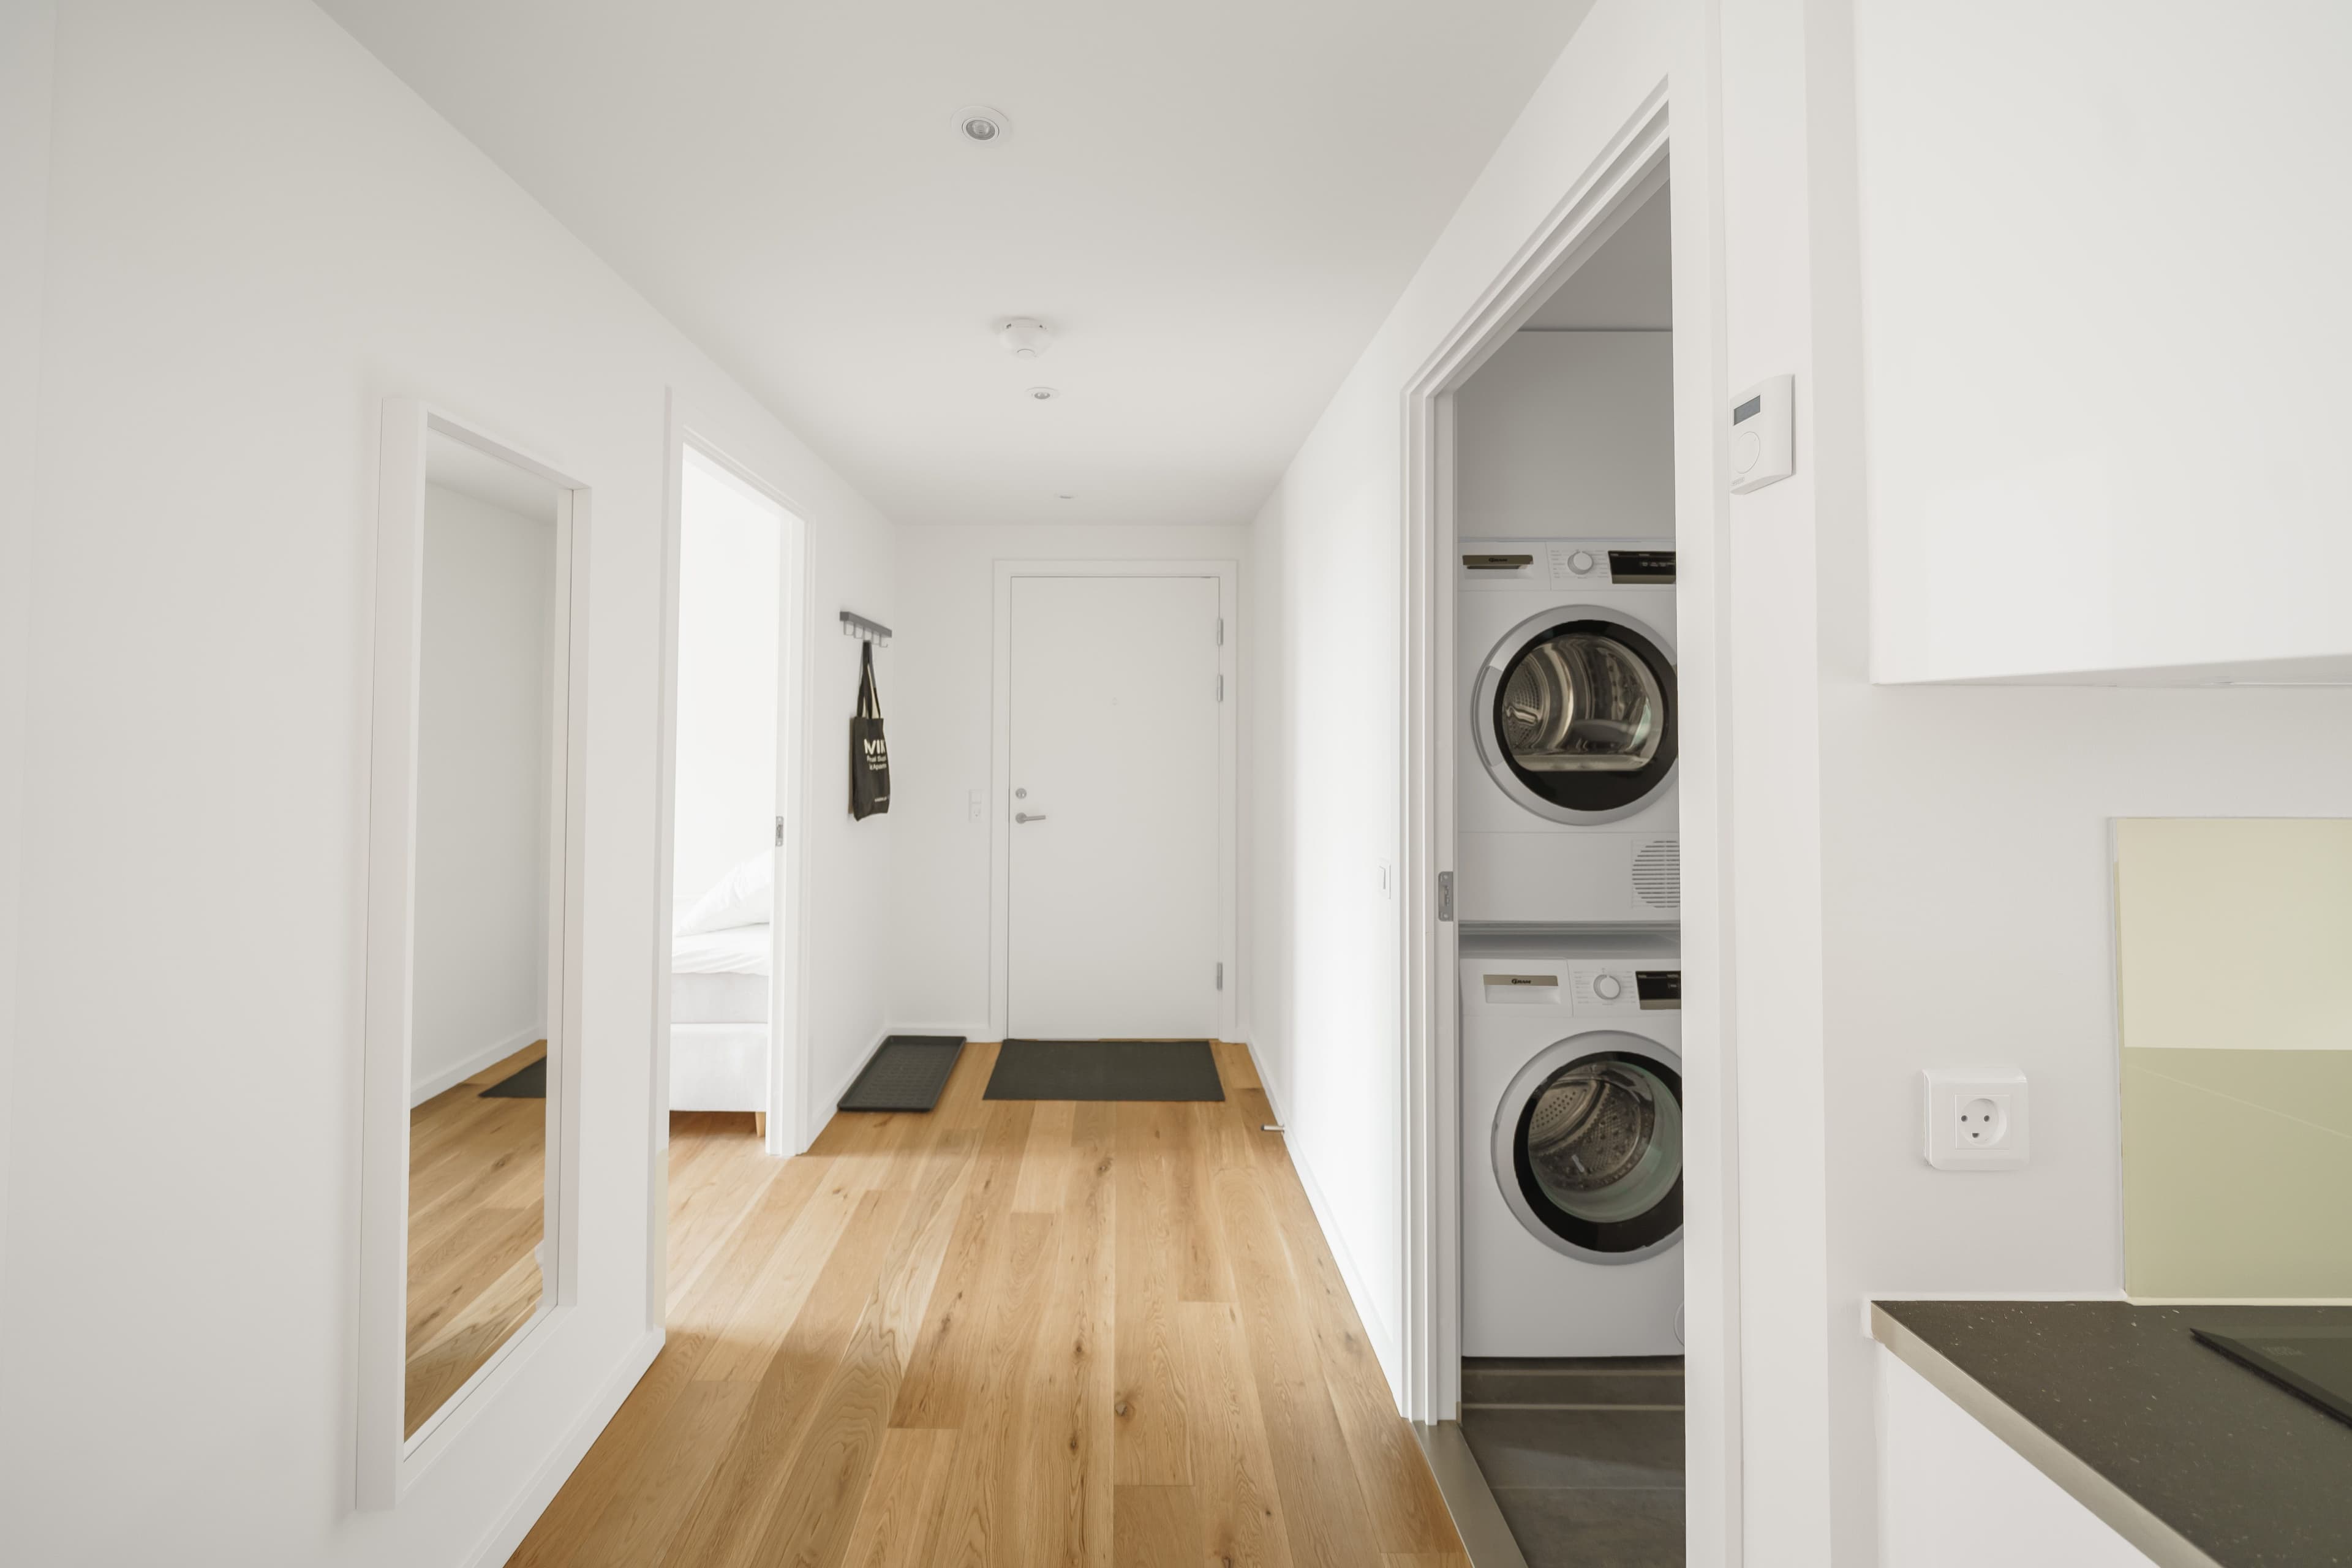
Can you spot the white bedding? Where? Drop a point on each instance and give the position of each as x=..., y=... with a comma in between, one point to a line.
x=719, y=976
x=738, y=950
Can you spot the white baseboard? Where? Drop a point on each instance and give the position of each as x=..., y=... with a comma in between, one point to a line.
x=969, y=1031
x=539, y=1491
x=1385, y=1348
x=821, y=1110
x=450, y=1078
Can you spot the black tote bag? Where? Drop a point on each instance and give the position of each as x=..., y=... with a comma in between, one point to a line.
x=869, y=755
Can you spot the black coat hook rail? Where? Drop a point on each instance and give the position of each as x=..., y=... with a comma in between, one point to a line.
x=854, y=625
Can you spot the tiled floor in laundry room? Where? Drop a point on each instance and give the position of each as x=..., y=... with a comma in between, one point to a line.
x=1584, y=1457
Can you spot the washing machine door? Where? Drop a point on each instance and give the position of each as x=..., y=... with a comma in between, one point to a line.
x=1587, y=1147
x=1574, y=714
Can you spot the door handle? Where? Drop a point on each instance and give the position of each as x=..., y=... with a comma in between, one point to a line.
x=1028, y=817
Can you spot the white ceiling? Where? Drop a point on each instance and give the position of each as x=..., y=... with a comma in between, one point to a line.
x=1214, y=202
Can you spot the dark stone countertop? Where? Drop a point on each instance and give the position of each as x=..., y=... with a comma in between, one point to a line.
x=2193, y=1457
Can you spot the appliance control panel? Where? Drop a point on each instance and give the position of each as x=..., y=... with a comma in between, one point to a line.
x=1565, y=563
x=1605, y=989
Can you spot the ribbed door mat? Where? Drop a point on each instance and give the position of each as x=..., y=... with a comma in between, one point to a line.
x=1105, y=1069
x=906, y=1074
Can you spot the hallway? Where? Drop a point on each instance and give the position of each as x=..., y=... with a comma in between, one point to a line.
x=1004, y=1333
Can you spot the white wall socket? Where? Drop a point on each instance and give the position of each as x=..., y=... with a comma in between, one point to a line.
x=1976, y=1118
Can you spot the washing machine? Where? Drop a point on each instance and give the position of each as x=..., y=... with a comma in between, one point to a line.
x=1572, y=1146
x=1566, y=786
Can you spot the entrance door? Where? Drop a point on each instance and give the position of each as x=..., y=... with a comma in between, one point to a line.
x=1115, y=772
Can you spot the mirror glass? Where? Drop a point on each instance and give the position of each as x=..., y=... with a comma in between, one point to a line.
x=488, y=865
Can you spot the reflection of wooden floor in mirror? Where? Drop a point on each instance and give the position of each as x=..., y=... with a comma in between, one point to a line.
x=477, y=1185
x=1020, y=1334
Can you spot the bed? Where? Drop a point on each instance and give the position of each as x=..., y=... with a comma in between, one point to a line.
x=719, y=1020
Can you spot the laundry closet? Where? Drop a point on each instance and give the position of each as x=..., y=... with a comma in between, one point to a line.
x=1566, y=891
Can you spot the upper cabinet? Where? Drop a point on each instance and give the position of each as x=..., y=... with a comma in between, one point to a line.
x=2106, y=254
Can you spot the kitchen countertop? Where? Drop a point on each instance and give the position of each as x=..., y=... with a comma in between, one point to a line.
x=2196, y=1461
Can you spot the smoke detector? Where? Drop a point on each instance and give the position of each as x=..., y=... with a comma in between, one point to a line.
x=982, y=126
x=1025, y=336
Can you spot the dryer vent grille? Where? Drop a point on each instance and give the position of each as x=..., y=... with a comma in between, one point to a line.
x=1658, y=874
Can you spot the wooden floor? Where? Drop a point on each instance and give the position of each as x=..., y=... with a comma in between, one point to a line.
x=1026, y=1334
x=477, y=1190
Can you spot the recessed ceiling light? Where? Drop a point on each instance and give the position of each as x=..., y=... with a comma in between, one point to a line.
x=1042, y=394
x=982, y=126
x=1065, y=495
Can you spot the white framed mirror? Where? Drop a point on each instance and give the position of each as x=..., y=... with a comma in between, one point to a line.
x=471, y=1118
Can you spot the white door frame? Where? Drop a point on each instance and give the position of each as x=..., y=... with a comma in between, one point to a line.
x=788, y=1087
x=999, y=832
x=1633, y=165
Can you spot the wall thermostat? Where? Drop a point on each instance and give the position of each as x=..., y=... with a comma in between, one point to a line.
x=1763, y=435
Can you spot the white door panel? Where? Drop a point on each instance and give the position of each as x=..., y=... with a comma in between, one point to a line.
x=1113, y=927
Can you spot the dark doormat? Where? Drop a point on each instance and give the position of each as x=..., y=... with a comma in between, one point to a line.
x=906, y=1073
x=530, y=1083
x=1105, y=1069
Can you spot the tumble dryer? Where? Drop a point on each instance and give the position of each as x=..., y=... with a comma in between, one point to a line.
x=1566, y=787
x=1572, y=1146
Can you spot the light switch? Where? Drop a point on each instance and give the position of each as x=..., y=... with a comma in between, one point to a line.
x=976, y=806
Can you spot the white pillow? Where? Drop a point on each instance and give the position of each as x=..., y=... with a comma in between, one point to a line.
x=746, y=896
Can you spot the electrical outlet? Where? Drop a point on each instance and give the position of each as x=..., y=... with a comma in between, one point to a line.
x=1976, y=1118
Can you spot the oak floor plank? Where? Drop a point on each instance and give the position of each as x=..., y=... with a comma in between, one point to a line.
x=1325, y=1509
x=742, y=1348
x=1151, y=1445
x=1205, y=1275
x=638, y=1523
x=819, y=1492
x=961, y=1103
x=1065, y=1444
x=738, y=1497
x=937, y=1389
x=1157, y=1527
x=1387, y=1460
x=1235, y=1064
x=900, y=1516
x=1241, y=1512
x=1044, y=1164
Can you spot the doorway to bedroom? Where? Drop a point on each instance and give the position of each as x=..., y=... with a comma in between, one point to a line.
x=730, y=1032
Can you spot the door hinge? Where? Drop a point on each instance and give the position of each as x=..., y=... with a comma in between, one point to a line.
x=1221, y=688
x=1446, y=895
x=1220, y=976
x=780, y=833
x=1221, y=631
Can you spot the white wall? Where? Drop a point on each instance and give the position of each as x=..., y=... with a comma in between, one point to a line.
x=937, y=701
x=729, y=621
x=2103, y=246
x=1569, y=433
x=27, y=34
x=484, y=728
x=257, y=233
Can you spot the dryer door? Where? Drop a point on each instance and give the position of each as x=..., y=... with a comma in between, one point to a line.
x=1587, y=1147
x=1574, y=714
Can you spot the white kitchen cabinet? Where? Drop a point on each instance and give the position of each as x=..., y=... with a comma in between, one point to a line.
x=2106, y=249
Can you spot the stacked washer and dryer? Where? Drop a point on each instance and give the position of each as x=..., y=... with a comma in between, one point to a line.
x=1568, y=889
